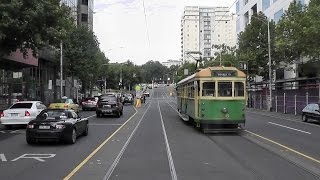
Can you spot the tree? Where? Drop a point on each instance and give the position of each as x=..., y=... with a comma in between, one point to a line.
x=228, y=57
x=82, y=56
x=311, y=28
x=32, y=24
x=191, y=70
x=290, y=34
x=253, y=45
x=153, y=70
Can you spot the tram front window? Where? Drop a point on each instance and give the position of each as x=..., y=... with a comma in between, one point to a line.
x=238, y=89
x=208, y=89
x=225, y=89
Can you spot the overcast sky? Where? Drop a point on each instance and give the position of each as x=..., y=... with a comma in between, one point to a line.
x=121, y=29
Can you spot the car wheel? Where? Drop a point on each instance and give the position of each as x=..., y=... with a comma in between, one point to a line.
x=30, y=140
x=304, y=118
x=86, y=131
x=119, y=114
x=71, y=139
x=83, y=109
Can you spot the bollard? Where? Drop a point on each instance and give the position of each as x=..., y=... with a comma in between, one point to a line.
x=295, y=104
x=138, y=102
x=276, y=103
x=284, y=103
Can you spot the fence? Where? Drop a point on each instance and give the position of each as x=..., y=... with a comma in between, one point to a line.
x=290, y=101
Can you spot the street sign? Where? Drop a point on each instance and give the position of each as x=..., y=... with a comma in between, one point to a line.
x=50, y=84
x=186, y=72
x=243, y=65
x=138, y=88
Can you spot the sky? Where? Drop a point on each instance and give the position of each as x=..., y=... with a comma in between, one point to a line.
x=124, y=34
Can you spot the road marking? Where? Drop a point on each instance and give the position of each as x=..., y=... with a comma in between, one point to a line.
x=116, y=161
x=15, y=131
x=90, y=116
x=170, y=159
x=284, y=118
x=3, y=157
x=38, y=157
x=289, y=127
x=76, y=169
x=105, y=124
x=2, y=132
x=285, y=147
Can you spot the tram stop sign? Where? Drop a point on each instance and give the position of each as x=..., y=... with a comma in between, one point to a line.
x=138, y=88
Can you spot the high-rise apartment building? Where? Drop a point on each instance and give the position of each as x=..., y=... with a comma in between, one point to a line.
x=203, y=27
x=85, y=13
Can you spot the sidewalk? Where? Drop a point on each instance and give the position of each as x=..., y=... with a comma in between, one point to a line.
x=274, y=114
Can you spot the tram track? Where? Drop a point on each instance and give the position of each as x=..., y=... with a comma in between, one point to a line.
x=274, y=151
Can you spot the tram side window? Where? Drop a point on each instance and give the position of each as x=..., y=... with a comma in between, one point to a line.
x=208, y=89
x=238, y=89
x=225, y=89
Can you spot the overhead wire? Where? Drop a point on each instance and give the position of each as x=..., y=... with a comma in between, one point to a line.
x=225, y=13
x=146, y=22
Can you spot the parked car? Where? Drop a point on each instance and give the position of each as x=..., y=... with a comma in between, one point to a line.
x=65, y=103
x=57, y=124
x=89, y=103
x=311, y=111
x=146, y=93
x=21, y=112
x=109, y=105
x=127, y=98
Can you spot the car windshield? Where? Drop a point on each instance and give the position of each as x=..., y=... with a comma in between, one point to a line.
x=108, y=98
x=53, y=114
x=21, y=106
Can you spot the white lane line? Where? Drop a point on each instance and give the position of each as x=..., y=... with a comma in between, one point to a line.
x=116, y=161
x=2, y=132
x=170, y=159
x=90, y=116
x=263, y=114
x=15, y=131
x=289, y=127
x=105, y=124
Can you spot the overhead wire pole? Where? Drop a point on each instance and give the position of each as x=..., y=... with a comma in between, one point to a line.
x=61, y=70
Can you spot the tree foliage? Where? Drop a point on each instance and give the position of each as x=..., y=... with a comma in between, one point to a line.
x=290, y=34
x=32, y=24
x=253, y=45
x=82, y=56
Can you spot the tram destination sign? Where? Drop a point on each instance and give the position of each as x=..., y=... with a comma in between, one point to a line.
x=224, y=73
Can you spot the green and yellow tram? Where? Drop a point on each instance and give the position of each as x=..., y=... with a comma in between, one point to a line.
x=213, y=99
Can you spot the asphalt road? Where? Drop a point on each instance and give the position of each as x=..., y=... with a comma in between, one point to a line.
x=156, y=144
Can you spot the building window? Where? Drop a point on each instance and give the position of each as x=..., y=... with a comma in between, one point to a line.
x=277, y=15
x=84, y=2
x=238, y=7
x=265, y=4
x=84, y=17
x=238, y=25
x=246, y=2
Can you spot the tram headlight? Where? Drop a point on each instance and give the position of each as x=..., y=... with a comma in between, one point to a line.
x=224, y=110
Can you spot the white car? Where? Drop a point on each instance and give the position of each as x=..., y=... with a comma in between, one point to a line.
x=21, y=113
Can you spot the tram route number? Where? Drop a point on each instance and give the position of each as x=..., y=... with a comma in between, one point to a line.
x=37, y=157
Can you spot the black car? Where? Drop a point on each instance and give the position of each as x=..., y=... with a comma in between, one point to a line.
x=57, y=124
x=128, y=98
x=311, y=111
x=109, y=105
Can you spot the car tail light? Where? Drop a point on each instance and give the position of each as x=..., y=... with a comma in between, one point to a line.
x=26, y=113
x=1, y=114
x=66, y=106
x=60, y=126
x=30, y=126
